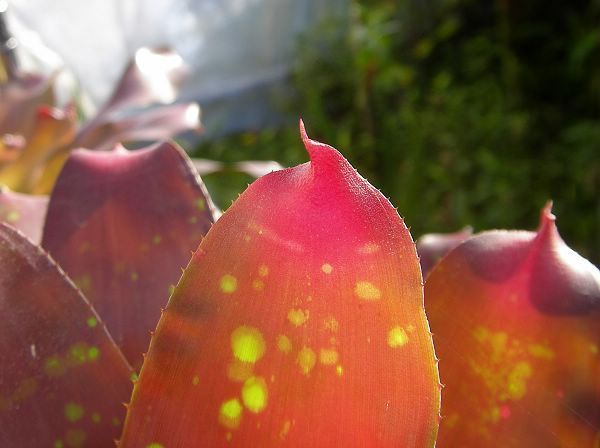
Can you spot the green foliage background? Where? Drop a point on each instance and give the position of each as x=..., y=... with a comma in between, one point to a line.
x=461, y=111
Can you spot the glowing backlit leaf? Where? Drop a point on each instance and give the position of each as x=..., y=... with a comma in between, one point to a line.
x=516, y=322
x=299, y=320
x=62, y=378
x=122, y=224
x=24, y=212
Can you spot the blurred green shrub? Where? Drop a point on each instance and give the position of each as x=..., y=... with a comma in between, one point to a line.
x=462, y=112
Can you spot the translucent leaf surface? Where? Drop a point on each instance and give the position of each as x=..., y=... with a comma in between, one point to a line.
x=122, y=224
x=24, y=212
x=62, y=378
x=516, y=324
x=432, y=247
x=299, y=321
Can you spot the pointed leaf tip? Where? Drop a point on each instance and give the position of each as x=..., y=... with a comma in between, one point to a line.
x=323, y=157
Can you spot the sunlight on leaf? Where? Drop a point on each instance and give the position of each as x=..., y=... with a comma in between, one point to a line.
x=299, y=320
x=515, y=319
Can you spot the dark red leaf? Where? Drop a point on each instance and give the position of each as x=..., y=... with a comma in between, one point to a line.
x=122, y=224
x=62, y=378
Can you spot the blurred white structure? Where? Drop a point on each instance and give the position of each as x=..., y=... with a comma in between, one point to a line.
x=239, y=51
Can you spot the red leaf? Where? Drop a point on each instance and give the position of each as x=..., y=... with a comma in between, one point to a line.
x=122, y=224
x=24, y=212
x=515, y=318
x=432, y=247
x=62, y=378
x=299, y=320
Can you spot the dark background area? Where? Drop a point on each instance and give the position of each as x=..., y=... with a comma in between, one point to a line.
x=460, y=111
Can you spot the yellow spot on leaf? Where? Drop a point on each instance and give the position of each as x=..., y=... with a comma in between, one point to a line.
x=54, y=367
x=255, y=394
x=397, y=337
x=297, y=316
x=367, y=291
x=156, y=239
x=73, y=412
x=230, y=413
x=92, y=322
x=328, y=356
x=200, y=204
x=285, y=429
x=258, y=285
x=306, y=359
x=327, y=268
x=228, y=284
x=155, y=445
x=517, y=380
x=541, y=351
x=331, y=324
x=13, y=216
x=248, y=344
x=284, y=344
x=263, y=270
x=339, y=370
x=195, y=380
x=58, y=444
x=96, y=417
x=134, y=276
x=93, y=353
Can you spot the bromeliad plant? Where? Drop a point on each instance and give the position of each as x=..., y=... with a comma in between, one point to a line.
x=298, y=321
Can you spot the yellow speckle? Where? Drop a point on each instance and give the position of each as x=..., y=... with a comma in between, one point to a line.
x=297, y=316
x=239, y=371
x=369, y=248
x=134, y=276
x=171, y=290
x=248, y=344
x=284, y=344
x=339, y=370
x=285, y=429
x=92, y=322
x=263, y=270
x=195, y=380
x=331, y=324
x=73, y=412
x=594, y=349
x=200, y=204
x=13, y=216
x=328, y=356
x=96, y=417
x=54, y=367
x=83, y=282
x=116, y=421
x=156, y=239
x=192, y=220
x=230, y=413
x=255, y=394
x=541, y=351
x=306, y=359
x=258, y=285
x=517, y=380
x=134, y=377
x=58, y=444
x=327, y=268
x=228, y=284
x=397, y=337
x=367, y=291
x=247, y=238
x=75, y=438
x=93, y=353
x=155, y=445
x=228, y=436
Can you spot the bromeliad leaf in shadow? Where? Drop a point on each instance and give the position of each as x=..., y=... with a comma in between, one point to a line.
x=431, y=247
x=62, y=379
x=516, y=319
x=24, y=211
x=122, y=224
x=299, y=321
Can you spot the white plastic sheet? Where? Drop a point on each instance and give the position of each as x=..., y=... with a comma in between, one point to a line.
x=239, y=51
